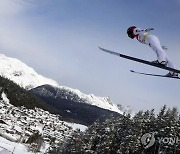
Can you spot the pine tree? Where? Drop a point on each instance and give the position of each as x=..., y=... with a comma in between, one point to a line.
x=122, y=135
x=35, y=142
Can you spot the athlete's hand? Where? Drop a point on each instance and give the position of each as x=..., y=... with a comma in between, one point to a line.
x=149, y=29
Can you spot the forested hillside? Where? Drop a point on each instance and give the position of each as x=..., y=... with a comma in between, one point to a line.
x=145, y=133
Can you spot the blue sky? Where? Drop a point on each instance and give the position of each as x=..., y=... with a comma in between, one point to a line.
x=60, y=39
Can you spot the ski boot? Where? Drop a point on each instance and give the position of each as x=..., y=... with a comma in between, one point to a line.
x=172, y=74
x=163, y=63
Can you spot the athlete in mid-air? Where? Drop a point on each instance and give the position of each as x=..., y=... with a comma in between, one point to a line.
x=144, y=37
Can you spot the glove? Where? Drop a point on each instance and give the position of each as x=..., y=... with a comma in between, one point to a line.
x=164, y=47
x=148, y=29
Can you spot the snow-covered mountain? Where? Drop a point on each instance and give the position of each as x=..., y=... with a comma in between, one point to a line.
x=102, y=102
x=21, y=74
x=71, y=106
x=28, y=78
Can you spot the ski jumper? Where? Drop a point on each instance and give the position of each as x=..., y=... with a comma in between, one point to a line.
x=144, y=37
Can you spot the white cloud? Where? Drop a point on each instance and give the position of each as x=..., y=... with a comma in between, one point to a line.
x=9, y=7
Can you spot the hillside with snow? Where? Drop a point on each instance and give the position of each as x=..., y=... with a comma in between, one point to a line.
x=28, y=78
x=21, y=74
x=18, y=124
x=76, y=95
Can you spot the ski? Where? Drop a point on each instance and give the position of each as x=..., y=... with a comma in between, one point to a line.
x=140, y=60
x=157, y=75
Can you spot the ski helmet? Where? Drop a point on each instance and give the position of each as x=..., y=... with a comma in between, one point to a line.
x=130, y=32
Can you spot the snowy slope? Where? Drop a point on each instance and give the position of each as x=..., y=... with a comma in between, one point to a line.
x=28, y=78
x=7, y=147
x=102, y=102
x=21, y=122
x=21, y=74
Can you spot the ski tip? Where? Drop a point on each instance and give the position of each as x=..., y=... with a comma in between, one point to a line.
x=132, y=71
x=100, y=47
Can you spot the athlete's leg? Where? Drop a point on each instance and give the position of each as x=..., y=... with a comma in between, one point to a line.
x=155, y=45
x=170, y=63
x=162, y=57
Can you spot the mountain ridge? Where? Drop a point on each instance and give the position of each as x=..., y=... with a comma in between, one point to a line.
x=22, y=74
x=28, y=78
x=70, y=106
